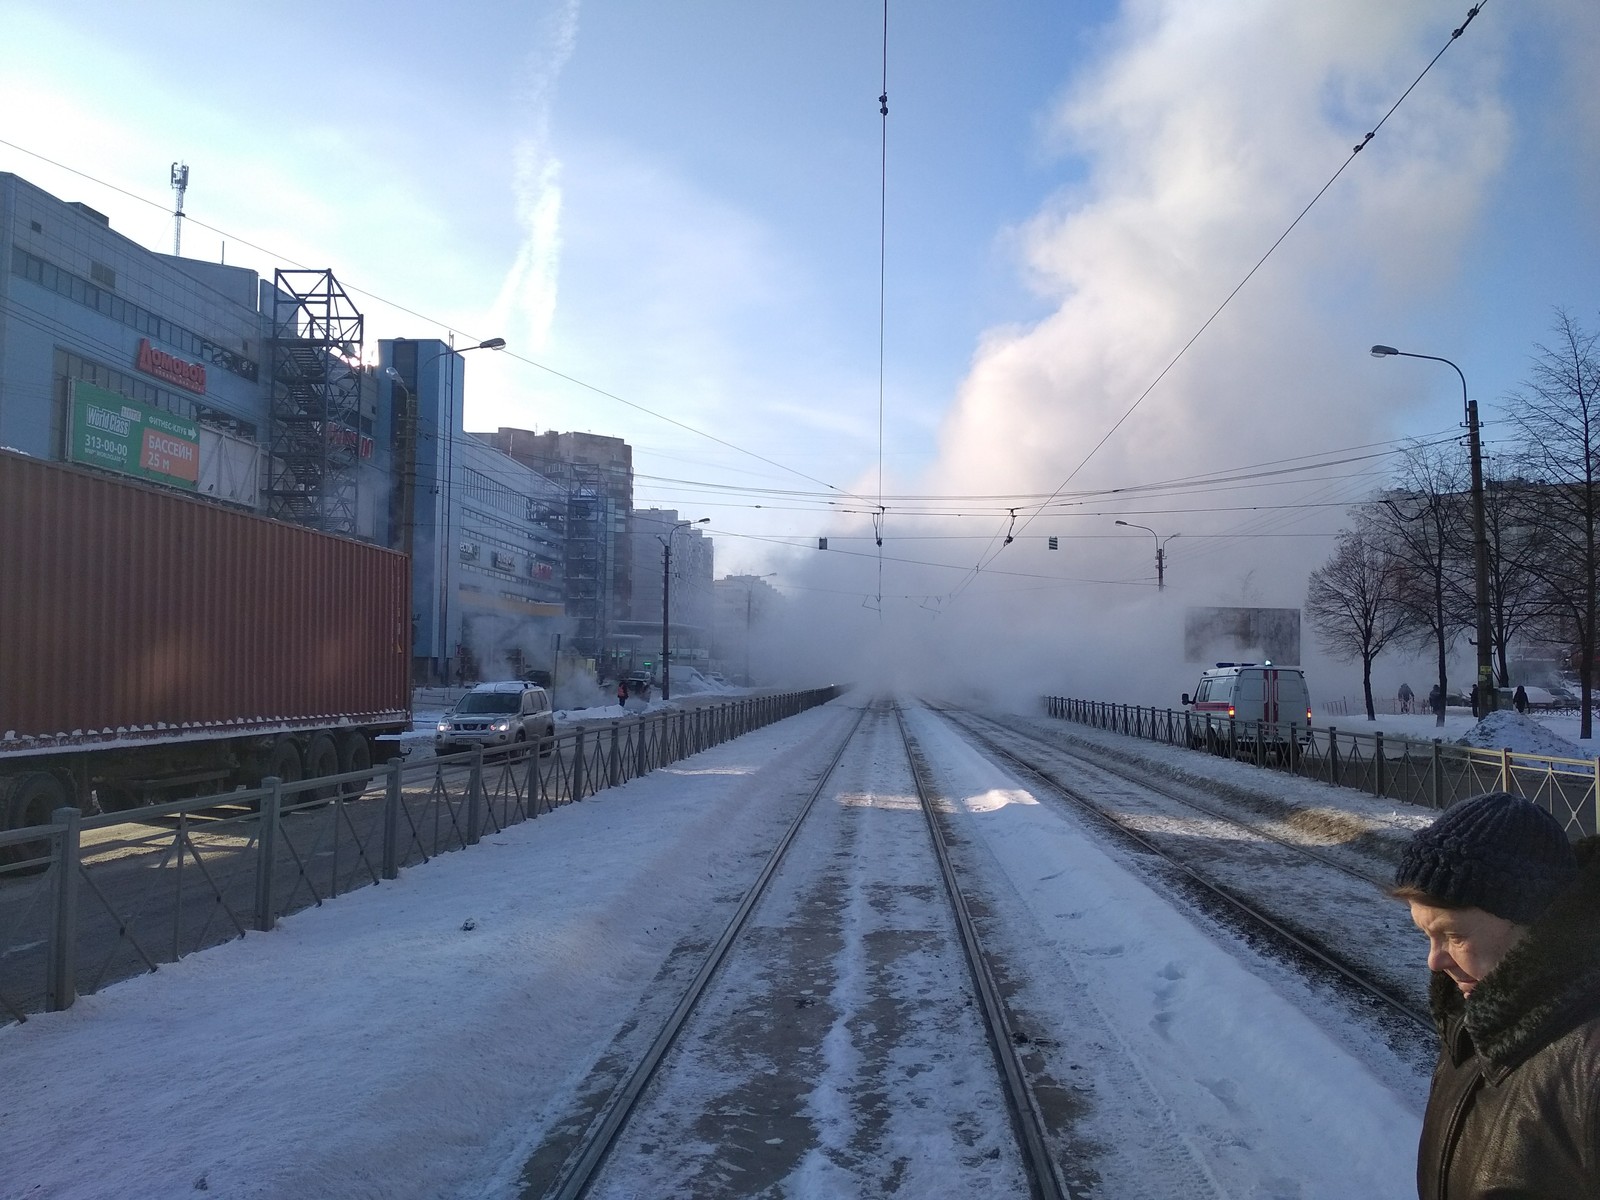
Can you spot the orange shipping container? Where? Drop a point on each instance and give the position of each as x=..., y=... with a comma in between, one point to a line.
x=125, y=606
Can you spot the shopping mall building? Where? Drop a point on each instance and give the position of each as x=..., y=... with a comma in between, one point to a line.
x=213, y=380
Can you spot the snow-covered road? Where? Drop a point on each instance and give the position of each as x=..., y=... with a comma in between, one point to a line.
x=428, y=1037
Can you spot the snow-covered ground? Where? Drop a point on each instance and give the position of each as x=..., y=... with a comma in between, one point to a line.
x=416, y=1038
x=1552, y=733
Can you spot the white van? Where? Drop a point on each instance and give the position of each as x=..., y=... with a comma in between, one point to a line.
x=1252, y=693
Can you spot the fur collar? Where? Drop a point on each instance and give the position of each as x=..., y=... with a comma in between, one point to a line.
x=1548, y=983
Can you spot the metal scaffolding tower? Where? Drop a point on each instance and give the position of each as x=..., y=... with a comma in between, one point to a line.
x=316, y=402
x=588, y=565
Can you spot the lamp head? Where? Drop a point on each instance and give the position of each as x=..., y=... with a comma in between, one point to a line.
x=1121, y=522
x=392, y=374
x=1383, y=351
x=495, y=343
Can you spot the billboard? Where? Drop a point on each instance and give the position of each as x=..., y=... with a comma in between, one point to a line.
x=1241, y=635
x=117, y=434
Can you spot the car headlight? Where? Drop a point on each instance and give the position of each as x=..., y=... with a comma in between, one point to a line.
x=444, y=726
x=502, y=726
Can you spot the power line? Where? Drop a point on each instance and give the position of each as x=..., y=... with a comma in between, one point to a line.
x=1228, y=299
x=883, y=254
x=599, y=391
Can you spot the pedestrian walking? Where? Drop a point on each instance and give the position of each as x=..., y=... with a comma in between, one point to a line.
x=1436, y=702
x=1519, y=699
x=1405, y=697
x=1472, y=699
x=622, y=692
x=1507, y=905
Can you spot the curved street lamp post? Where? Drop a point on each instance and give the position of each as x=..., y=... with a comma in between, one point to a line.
x=1161, y=552
x=1487, y=698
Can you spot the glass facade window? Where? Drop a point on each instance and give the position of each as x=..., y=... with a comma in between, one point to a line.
x=125, y=312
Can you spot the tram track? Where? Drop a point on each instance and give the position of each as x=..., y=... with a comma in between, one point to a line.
x=1275, y=921
x=583, y=1172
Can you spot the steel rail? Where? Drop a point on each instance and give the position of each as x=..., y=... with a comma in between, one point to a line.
x=1128, y=777
x=577, y=1178
x=1282, y=931
x=1027, y=1122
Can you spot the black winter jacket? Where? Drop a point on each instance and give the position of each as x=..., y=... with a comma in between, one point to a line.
x=1514, y=1113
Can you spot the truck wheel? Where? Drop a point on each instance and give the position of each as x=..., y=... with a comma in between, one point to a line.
x=33, y=797
x=280, y=760
x=322, y=760
x=355, y=754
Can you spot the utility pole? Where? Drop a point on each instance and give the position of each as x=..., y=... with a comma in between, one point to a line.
x=1488, y=699
x=666, y=618
x=666, y=589
x=1161, y=552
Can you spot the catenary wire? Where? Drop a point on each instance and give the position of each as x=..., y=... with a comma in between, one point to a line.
x=1228, y=299
x=526, y=361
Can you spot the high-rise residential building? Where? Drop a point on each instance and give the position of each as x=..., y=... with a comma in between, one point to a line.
x=596, y=475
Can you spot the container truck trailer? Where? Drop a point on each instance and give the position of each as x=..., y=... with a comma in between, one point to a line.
x=155, y=645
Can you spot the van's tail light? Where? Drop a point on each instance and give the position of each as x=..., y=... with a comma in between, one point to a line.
x=1308, y=716
x=1230, y=712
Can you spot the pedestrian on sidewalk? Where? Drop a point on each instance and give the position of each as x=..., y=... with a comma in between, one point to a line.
x=622, y=692
x=1405, y=697
x=1519, y=699
x=1507, y=905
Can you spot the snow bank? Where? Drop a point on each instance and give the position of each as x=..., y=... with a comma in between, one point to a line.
x=1506, y=729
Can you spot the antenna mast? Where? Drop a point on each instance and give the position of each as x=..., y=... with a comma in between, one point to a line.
x=180, y=184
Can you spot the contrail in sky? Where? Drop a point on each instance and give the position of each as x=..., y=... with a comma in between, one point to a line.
x=528, y=294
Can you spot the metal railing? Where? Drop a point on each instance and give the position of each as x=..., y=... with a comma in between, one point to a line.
x=100, y=898
x=1432, y=773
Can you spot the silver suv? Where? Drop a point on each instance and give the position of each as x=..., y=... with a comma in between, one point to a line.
x=498, y=714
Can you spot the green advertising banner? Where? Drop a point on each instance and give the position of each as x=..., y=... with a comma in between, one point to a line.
x=119, y=434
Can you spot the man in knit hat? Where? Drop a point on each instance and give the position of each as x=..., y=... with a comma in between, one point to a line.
x=1511, y=911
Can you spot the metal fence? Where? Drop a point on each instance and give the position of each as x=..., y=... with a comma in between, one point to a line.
x=1434, y=773
x=100, y=898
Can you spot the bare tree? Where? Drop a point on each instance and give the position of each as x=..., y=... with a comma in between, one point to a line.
x=1557, y=416
x=1353, y=603
x=1420, y=524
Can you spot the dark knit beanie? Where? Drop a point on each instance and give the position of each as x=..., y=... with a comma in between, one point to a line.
x=1497, y=852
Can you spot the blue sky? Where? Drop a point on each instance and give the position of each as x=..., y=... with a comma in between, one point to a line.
x=679, y=205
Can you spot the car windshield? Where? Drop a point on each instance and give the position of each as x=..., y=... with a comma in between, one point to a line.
x=489, y=702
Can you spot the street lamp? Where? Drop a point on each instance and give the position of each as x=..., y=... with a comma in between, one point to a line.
x=1161, y=551
x=749, y=587
x=1487, y=699
x=666, y=591
x=444, y=558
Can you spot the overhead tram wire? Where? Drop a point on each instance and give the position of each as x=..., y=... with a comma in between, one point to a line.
x=883, y=255
x=599, y=391
x=1021, y=501
x=926, y=505
x=35, y=317
x=1472, y=13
